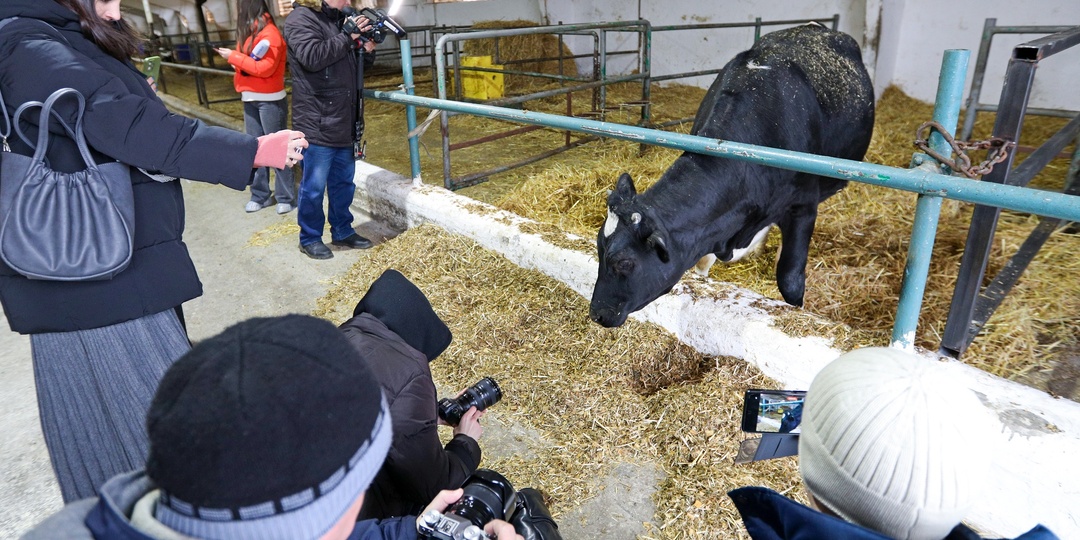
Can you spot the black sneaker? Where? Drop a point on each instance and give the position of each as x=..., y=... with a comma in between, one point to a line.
x=354, y=241
x=317, y=250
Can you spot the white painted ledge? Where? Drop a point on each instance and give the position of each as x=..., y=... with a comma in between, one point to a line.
x=1036, y=478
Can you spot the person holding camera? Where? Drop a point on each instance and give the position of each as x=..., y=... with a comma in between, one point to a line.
x=327, y=66
x=395, y=328
x=890, y=447
x=273, y=429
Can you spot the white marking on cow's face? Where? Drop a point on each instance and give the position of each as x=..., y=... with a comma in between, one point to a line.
x=611, y=223
x=752, y=65
x=635, y=218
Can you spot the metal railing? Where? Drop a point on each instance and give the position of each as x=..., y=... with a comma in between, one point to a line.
x=927, y=179
x=597, y=82
x=971, y=304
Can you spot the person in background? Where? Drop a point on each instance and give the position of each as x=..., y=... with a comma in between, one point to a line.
x=259, y=61
x=395, y=328
x=891, y=447
x=325, y=65
x=99, y=348
x=272, y=429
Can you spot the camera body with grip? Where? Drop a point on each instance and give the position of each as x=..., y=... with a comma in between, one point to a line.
x=381, y=24
x=487, y=496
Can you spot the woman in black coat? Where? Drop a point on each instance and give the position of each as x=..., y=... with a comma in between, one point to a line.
x=100, y=347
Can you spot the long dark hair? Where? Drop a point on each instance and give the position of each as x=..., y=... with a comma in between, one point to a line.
x=251, y=17
x=118, y=38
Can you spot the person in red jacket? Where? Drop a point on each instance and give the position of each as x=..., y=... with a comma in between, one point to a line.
x=259, y=61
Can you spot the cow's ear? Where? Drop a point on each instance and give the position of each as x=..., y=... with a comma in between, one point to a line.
x=625, y=186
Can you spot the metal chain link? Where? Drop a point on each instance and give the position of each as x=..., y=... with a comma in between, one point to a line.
x=997, y=150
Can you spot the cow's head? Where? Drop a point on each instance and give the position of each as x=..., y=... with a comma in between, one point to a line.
x=635, y=264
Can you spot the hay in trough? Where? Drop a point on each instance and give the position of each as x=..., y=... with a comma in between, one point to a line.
x=860, y=244
x=596, y=396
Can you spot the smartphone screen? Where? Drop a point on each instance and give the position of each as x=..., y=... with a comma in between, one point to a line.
x=772, y=411
x=151, y=67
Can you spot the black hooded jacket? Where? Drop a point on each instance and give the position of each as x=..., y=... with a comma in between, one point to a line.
x=398, y=333
x=124, y=121
x=323, y=65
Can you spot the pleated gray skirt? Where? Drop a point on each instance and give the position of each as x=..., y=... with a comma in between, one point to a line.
x=94, y=388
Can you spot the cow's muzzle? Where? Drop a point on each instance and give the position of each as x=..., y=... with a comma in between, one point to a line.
x=606, y=317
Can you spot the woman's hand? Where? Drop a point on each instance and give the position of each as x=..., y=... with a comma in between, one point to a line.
x=224, y=52
x=280, y=149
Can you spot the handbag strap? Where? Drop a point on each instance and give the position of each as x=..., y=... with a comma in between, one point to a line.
x=43, y=125
x=6, y=132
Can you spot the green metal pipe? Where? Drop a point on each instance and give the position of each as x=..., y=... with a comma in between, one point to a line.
x=1044, y=203
x=950, y=95
x=410, y=110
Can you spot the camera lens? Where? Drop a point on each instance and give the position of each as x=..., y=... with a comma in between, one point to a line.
x=480, y=395
x=487, y=494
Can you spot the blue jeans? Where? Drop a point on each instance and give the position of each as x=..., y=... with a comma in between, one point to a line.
x=329, y=170
x=264, y=118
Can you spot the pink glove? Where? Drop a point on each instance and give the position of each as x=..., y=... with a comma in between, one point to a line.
x=280, y=149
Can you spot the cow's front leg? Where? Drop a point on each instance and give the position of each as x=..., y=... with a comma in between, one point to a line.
x=796, y=228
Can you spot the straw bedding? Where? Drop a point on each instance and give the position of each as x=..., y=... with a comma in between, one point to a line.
x=596, y=396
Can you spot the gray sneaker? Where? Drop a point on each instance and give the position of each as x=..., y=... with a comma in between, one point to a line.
x=285, y=208
x=253, y=206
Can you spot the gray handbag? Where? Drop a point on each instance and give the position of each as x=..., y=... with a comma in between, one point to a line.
x=63, y=226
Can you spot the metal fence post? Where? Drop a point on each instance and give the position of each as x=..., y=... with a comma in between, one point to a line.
x=950, y=93
x=410, y=110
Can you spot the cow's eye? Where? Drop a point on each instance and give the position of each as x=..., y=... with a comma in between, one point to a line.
x=624, y=266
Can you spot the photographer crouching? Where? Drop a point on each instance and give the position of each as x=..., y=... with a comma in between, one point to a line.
x=327, y=56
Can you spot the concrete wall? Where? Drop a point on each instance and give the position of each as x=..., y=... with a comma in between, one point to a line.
x=423, y=12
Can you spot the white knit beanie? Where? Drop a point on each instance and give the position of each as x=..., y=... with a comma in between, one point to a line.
x=889, y=442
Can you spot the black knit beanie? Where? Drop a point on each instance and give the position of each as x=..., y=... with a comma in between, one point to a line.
x=270, y=429
x=404, y=309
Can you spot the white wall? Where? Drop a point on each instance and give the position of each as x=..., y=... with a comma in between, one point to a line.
x=423, y=12
x=921, y=30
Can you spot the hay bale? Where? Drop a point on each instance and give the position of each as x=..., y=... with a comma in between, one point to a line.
x=526, y=51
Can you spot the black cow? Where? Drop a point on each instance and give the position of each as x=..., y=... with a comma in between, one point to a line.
x=802, y=89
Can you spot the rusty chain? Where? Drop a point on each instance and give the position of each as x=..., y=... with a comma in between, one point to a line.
x=997, y=150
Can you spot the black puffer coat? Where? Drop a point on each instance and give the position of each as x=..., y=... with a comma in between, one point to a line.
x=124, y=121
x=323, y=66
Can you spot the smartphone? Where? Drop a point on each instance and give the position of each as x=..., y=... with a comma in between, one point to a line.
x=151, y=67
x=772, y=411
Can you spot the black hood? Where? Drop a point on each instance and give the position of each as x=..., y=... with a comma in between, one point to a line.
x=45, y=10
x=404, y=309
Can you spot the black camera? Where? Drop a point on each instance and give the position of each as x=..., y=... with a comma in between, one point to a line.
x=381, y=23
x=488, y=495
x=480, y=395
